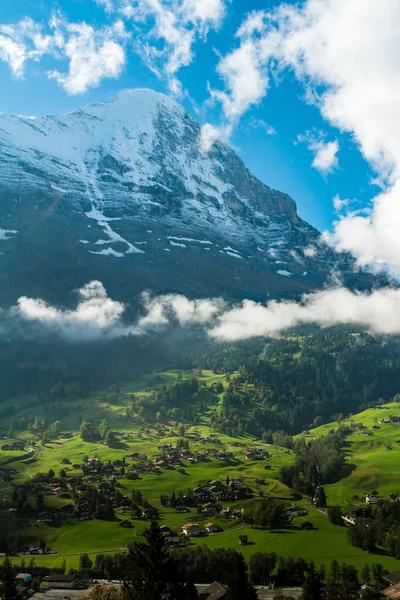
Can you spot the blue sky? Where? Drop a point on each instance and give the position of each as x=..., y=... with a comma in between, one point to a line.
x=265, y=129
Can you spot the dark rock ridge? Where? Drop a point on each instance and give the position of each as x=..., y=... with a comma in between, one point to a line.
x=123, y=192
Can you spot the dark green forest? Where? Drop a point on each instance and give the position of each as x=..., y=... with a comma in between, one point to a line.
x=289, y=384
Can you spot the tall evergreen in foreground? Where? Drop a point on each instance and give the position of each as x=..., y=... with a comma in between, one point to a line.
x=152, y=573
x=8, y=587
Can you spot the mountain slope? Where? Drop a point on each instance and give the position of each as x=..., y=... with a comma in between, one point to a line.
x=123, y=192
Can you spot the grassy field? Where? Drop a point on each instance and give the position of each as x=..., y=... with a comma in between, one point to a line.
x=375, y=467
x=323, y=544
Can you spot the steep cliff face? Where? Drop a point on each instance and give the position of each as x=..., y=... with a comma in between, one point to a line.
x=123, y=192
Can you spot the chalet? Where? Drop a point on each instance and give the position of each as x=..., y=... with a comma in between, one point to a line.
x=243, y=540
x=165, y=530
x=125, y=524
x=356, y=426
x=392, y=592
x=211, y=528
x=209, y=507
x=181, y=509
x=34, y=551
x=45, y=517
x=172, y=540
x=137, y=456
x=237, y=484
x=238, y=489
x=393, y=578
x=201, y=494
x=58, y=491
x=68, y=509
x=76, y=466
x=190, y=529
x=66, y=582
x=221, y=496
x=260, y=480
x=117, y=463
x=256, y=454
x=371, y=499
x=215, y=591
x=361, y=512
x=126, y=503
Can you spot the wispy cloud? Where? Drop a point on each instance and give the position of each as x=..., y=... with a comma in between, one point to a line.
x=261, y=124
x=176, y=25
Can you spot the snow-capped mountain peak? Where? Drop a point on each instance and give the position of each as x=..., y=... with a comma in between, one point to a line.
x=126, y=182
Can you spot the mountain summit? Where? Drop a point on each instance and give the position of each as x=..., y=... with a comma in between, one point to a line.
x=124, y=193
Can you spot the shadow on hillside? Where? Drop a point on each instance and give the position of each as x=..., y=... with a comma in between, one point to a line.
x=346, y=470
x=119, y=446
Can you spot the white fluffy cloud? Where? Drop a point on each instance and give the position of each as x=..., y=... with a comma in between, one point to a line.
x=92, y=54
x=345, y=52
x=378, y=311
x=96, y=315
x=176, y=25
x=160, y=309
x=325, y=153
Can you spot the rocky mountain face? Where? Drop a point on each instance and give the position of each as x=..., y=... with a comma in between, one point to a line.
x=123, y=192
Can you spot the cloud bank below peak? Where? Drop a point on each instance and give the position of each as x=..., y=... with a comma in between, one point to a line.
x=98, y=317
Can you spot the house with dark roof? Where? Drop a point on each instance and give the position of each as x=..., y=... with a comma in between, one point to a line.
x=393, y=578
x=215, y=591
x=66, y=582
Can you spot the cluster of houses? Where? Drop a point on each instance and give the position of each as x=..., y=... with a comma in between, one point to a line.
x=391, y=420
x=7, y=473
x=16, y=445
x=172, y=458
x=216, y=491
x=256, y=454
x=194, y=530
x=37, y=551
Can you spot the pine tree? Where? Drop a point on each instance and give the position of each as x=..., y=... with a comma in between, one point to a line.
x=366, y=573
x=8, y=587
x=152, y=573
x=312, y=584
x=321, y=497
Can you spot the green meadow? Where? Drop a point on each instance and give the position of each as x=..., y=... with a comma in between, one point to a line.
x=374, y=467
x=375, y=457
